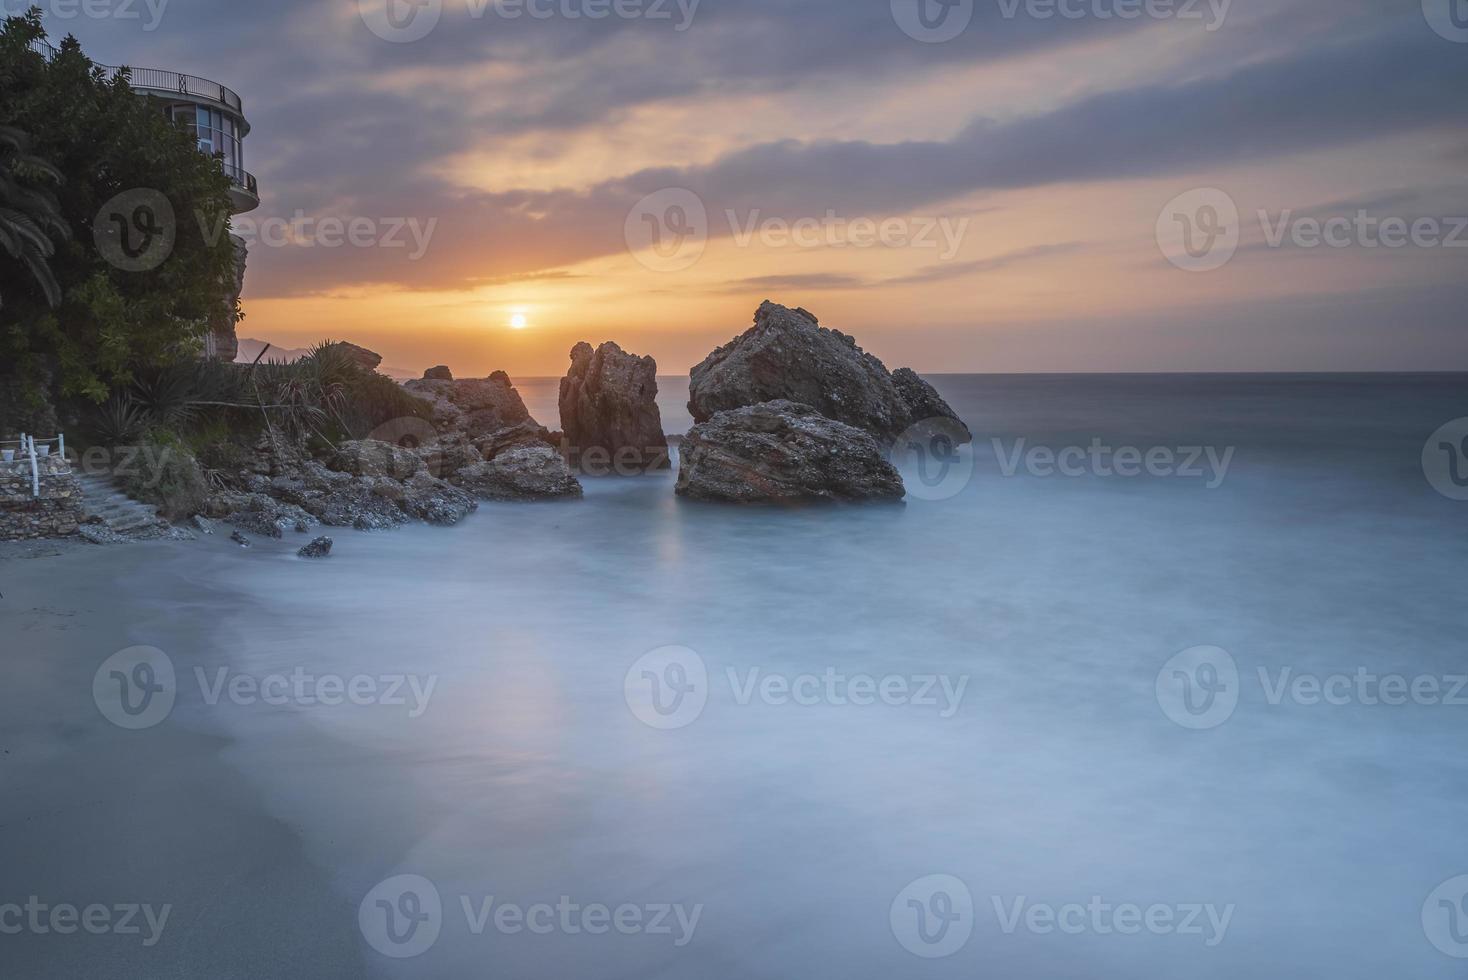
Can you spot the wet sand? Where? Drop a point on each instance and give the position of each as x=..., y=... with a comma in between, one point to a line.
x=95, y=815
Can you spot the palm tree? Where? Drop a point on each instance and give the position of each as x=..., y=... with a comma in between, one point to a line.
x=30, y=216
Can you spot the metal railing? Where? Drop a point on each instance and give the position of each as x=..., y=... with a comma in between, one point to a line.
x=241, y=178
x=167, y=81
x=28, y=453
x=159, y=80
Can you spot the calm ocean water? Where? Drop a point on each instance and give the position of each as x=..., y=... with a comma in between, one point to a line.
x=1060, y=767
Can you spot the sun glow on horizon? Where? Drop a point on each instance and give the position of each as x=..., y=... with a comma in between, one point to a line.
x=518, y=321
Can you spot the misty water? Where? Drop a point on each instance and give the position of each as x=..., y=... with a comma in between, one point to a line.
x=1312, y=833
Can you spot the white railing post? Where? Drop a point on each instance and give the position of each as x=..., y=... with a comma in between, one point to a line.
x=61, y=444
x=35, y=472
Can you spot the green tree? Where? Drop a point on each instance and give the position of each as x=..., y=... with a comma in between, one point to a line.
x=30, y=216
x=112, y=320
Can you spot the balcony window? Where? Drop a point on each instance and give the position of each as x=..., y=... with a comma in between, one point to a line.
x=217, y=133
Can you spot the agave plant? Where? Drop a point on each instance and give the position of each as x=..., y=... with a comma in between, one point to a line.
x=30, y=216
x=120, y=421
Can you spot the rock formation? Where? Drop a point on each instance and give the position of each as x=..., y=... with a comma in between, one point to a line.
x=519, y=473
x=368, y=457
x=482, y=443
x=370, y=500
x=781, y=451
x=788, y=355
x=925, y=406
x=609, y=411
x=366, y=358
x=474, y=406
x=440, y=373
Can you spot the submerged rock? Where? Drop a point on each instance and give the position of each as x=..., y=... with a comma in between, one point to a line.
x=239, y=539
x=609, y=411
x=319, y=548
x=782, y=451
x=520, y=473
x=788, y=355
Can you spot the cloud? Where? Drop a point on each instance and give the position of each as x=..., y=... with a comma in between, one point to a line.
x=962, y=270
x=1333, y=95
x=807, y=281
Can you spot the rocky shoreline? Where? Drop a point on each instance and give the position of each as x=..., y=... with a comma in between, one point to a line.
x=787, y=412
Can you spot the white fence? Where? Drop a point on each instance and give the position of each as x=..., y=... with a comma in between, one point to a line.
x=30, y=451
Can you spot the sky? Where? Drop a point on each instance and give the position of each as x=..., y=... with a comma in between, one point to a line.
x=963, y=185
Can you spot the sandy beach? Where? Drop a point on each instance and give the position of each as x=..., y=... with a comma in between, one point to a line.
x=94, y=815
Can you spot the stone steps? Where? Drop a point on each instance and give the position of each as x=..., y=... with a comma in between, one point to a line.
x=119, y=512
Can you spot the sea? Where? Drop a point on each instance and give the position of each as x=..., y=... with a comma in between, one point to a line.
x=1162, y=676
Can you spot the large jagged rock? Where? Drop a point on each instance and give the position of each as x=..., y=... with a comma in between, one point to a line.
x=440, y=373
x=609, y=410
x=926, y=407
x=783, y=452
x=476, y=407
x=531, y=472
x=369, y=457
x=787, y=354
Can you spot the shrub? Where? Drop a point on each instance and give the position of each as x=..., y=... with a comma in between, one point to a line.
x=164, y=472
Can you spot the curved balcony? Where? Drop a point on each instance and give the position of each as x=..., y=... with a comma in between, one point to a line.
x=244, y=191
x=176, y=88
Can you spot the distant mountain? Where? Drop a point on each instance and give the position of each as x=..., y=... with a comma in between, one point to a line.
x=251, y=348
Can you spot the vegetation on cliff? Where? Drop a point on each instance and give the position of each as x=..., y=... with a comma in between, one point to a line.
x=85, y=326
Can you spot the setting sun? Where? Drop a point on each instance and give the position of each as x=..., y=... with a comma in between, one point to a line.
x=518, y=322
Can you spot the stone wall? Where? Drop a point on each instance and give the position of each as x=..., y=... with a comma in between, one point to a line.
x=56, y=513
x=222, y=343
